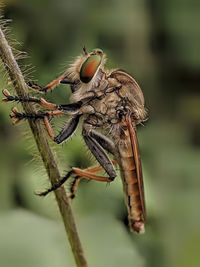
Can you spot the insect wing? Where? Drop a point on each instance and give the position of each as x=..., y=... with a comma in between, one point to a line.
x=131, y=88
x=138, y=164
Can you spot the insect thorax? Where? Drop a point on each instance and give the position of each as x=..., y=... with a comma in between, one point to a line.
x=111, y=109
x=114, y=95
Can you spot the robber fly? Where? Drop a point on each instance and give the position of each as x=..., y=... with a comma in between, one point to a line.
x=112, y=104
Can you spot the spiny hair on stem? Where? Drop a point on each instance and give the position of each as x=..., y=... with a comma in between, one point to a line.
x=20, y=56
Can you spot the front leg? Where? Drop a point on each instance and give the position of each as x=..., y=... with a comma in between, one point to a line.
x=53, y=84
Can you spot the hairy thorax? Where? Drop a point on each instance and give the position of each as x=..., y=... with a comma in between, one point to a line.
x=111, y=108
x=111, y=98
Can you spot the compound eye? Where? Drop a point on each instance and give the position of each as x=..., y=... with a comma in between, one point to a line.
x=89, y=68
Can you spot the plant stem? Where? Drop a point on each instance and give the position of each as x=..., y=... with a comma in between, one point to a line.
x=40, y=137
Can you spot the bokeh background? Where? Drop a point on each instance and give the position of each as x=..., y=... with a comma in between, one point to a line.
x=158, y=43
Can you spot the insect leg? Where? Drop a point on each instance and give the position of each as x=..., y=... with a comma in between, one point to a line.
x=56, y=185
x=68, y=129
x=73, y=107
x=99, y=153
x=105, y=142
x=17, y=116
x=78, y=175
x=77, y=179
x=52, y=85
x=74, y=186
x=31, y=99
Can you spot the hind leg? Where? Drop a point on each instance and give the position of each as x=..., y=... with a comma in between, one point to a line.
x=78, y=174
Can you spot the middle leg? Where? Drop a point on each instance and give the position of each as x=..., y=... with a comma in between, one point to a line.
x=65, y=133
x=67, y=108
x=99, y=153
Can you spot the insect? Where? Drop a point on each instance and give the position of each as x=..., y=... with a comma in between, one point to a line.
x=111, y=104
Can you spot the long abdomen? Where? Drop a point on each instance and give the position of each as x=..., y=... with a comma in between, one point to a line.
x=134, y=196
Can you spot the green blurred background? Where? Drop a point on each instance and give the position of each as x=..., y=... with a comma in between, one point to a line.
x=156, y=41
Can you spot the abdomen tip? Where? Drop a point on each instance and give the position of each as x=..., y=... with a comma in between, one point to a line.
x=138, y=227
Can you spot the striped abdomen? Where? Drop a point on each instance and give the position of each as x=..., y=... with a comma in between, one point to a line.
x=129, y=162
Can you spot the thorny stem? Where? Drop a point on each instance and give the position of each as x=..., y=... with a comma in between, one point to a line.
x=39, y=134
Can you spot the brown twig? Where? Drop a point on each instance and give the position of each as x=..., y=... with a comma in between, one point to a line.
x=39, y=134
